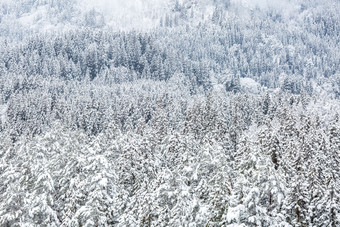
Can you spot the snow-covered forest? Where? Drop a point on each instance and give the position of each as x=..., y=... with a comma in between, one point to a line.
x=169, y=113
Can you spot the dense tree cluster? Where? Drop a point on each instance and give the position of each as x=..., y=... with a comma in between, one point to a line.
x=216, y=160
x=230, y=121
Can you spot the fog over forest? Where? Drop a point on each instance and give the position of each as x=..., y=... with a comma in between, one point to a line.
x=169, y=113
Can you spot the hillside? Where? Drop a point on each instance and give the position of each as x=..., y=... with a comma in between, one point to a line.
x=169, y=113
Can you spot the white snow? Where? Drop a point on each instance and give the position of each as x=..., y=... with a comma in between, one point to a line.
x=128, y=14
x=234, y=213
x=250, y=85
x=3, y=109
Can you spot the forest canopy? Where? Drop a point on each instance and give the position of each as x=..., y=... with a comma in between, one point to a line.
x=218, y=114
